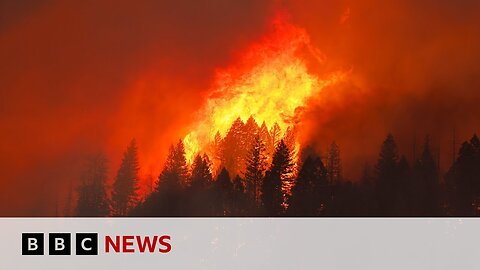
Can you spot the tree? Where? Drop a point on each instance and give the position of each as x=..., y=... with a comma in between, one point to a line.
x=218, y=149
x=273, y=196
x=199, y=194
x=175, y=170
x=310, y=193
x=426, y=189
x=168, y=198
x=239, y=205
x=290, y=138
x=275, y=135
x=201, y=172
x=334, y=166
x=223, y=192
x=387, y=176
x=92, y=198
x=255, y=170
x=250, y=131
x=124, y=195
x=234, y=147
x=463, y=180
x=265, y=137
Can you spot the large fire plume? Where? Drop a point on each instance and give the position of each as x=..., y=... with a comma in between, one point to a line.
x=270, y=82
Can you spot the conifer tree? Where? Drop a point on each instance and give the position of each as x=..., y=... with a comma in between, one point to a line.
x=265, y=137
x=275, y=135
x=462, y=180
x=239, y=199
x=334, y=166
x=426, y=185
x=234, y=147
x=199, y=194
x=387, y=176
x=92, y=197
x=256, y=165
x=273, y=196
x=175, y=171
x=223, y=194
x=201, y=172
x=251, y=130
x=124, y=195
x=310, y=193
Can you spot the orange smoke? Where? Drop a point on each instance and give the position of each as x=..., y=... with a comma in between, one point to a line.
x=270, y=82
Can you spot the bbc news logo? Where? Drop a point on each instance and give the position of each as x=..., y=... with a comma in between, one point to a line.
x=87, y=244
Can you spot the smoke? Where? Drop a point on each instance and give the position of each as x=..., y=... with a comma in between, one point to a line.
x=414, y=71
x=87, y=77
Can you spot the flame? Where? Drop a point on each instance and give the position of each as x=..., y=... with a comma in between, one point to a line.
x=271, y=82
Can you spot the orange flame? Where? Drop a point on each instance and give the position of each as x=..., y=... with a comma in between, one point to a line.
x=271, y=83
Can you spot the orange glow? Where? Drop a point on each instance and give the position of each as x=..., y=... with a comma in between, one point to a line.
x=271, y=82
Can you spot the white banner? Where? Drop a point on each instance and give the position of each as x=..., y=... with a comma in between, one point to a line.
x=240, y=243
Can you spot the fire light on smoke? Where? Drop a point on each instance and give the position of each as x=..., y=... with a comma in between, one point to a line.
x=270, y=82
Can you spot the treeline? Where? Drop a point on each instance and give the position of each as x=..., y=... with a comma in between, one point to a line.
x=259, y=175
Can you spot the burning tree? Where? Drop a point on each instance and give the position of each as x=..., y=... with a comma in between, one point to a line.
x=279, y=173
x=256, y=165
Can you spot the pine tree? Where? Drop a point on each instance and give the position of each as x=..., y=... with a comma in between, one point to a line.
x=334, y=166
x=273, y=196
x=201, y=172
x=175, y=171
x=218, y=149
x=265, y=137
x=290, y=138
x=275, y=135
x=124, y=195
x=223, y=192
x=310, y=193
x=250, y=131
x=234, y=147
x=426, y=186
x=199, y=194
x=256, y=165
x=239, y=199
x=387, y=176
x=92, y=197
x=463, y=180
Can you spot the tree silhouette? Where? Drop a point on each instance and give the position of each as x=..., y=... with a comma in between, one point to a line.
x=168, y=198
x=175, y=171
x=387, y=176
x=250, y=131
x=275, y=136
x=334, y=166
x=426, y=184
x=266, y=138
x=199, y=193
x=310, y=193
x=255, y=170
x=463, y=181
x=201, y=173
x=124, y=194
x=234, y=147
x=273, y=196
x=92, y=198
x=240, y=201
x=223, y=193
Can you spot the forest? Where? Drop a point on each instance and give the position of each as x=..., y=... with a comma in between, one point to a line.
x=257, y=171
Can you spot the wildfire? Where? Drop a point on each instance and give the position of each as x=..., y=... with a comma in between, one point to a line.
x=271, y=83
